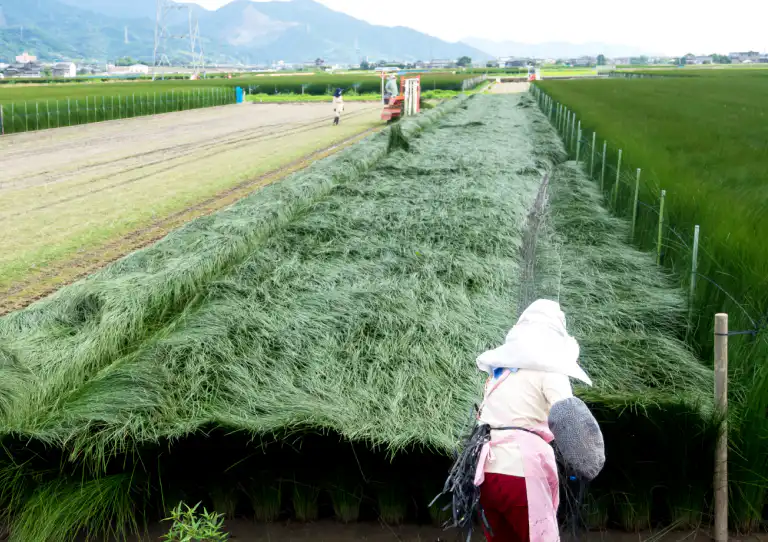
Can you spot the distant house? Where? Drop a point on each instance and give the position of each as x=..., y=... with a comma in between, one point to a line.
x=622, y=61
x=763, y=59
x=699, y=60
x=441, y=64
x=744, y=57
x=583, y=61
x=64, y=69
x=25, y=58
x=136, y=69
x=28, y=70
x=139, y=68
x=516, y=63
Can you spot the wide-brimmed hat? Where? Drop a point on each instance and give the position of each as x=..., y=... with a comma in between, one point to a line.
x=539, y=341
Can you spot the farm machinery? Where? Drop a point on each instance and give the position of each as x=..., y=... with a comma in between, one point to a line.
x=407, y=102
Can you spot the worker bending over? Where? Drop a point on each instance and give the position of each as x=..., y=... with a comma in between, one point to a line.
x=528, y=402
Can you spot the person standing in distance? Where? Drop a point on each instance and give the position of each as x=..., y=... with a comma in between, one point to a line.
x=338, y=106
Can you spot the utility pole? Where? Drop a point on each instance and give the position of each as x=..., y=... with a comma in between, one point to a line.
x=163, y=34
x=126, y=34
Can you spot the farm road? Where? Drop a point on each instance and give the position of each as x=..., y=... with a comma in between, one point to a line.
x=509, y=88
x=74, y=199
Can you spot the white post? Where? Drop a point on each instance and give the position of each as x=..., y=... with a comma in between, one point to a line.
x=592, y=161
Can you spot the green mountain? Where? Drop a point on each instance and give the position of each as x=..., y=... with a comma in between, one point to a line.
x=242, y=31
x=53, y=30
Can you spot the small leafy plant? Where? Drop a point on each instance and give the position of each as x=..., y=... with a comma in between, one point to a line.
x=189, y=525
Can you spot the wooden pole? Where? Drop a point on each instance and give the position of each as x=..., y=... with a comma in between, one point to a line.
x=661, y=227
x=618, y=176
x=721, y=450
x=634, y=204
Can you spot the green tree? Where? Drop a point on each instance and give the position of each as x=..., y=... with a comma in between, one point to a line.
x=125, y=61
x=464, y=62
x=601, y=60
x=721, y=59
x=365, y=65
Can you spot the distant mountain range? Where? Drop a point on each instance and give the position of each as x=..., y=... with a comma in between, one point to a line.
x=242, y=31
x=553, y=50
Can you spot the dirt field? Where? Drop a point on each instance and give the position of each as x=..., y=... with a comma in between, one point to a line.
x=73, y=199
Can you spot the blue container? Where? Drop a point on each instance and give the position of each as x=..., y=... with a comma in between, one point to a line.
x=240, y=94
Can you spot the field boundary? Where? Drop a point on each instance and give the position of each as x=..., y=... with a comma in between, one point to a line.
x=54, y=277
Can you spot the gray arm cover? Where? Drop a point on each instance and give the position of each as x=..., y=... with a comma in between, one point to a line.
x=578, y=437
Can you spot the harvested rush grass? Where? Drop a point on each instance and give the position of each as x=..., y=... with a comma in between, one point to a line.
x=351, y=299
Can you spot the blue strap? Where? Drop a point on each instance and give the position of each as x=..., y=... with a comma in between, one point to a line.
x=497, y=372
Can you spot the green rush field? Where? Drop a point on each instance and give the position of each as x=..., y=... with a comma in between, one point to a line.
x=248, y=359
x=704, y=139
x=29, y=107
x=313, y=84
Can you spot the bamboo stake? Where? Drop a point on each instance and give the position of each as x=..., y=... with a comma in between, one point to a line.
x=592, y=160
x=616, y=186
x=721, y=451
x=695, y=262
x=602, y=174
x=578, y=143
x=573, y=132
x=694, y=269
x=661, y=227
x=634, y=204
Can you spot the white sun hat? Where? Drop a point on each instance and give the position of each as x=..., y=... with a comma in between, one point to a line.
x=540, y=342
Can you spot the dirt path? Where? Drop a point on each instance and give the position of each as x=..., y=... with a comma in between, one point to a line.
x=74, y=199
x=509, y=88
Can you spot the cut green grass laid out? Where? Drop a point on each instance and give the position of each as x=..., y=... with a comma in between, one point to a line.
x=350, y=299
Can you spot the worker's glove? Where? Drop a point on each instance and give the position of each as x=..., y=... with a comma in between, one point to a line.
x=578, y=438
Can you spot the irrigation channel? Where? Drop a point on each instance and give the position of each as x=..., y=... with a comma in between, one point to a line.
x=308, y=353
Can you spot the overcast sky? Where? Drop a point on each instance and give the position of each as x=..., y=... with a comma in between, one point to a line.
x=658, y=26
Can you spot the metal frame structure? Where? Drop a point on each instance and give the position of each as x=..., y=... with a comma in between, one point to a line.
x=163, y=34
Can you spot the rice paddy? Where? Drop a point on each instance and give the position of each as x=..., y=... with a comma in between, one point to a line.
x=331, y=320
